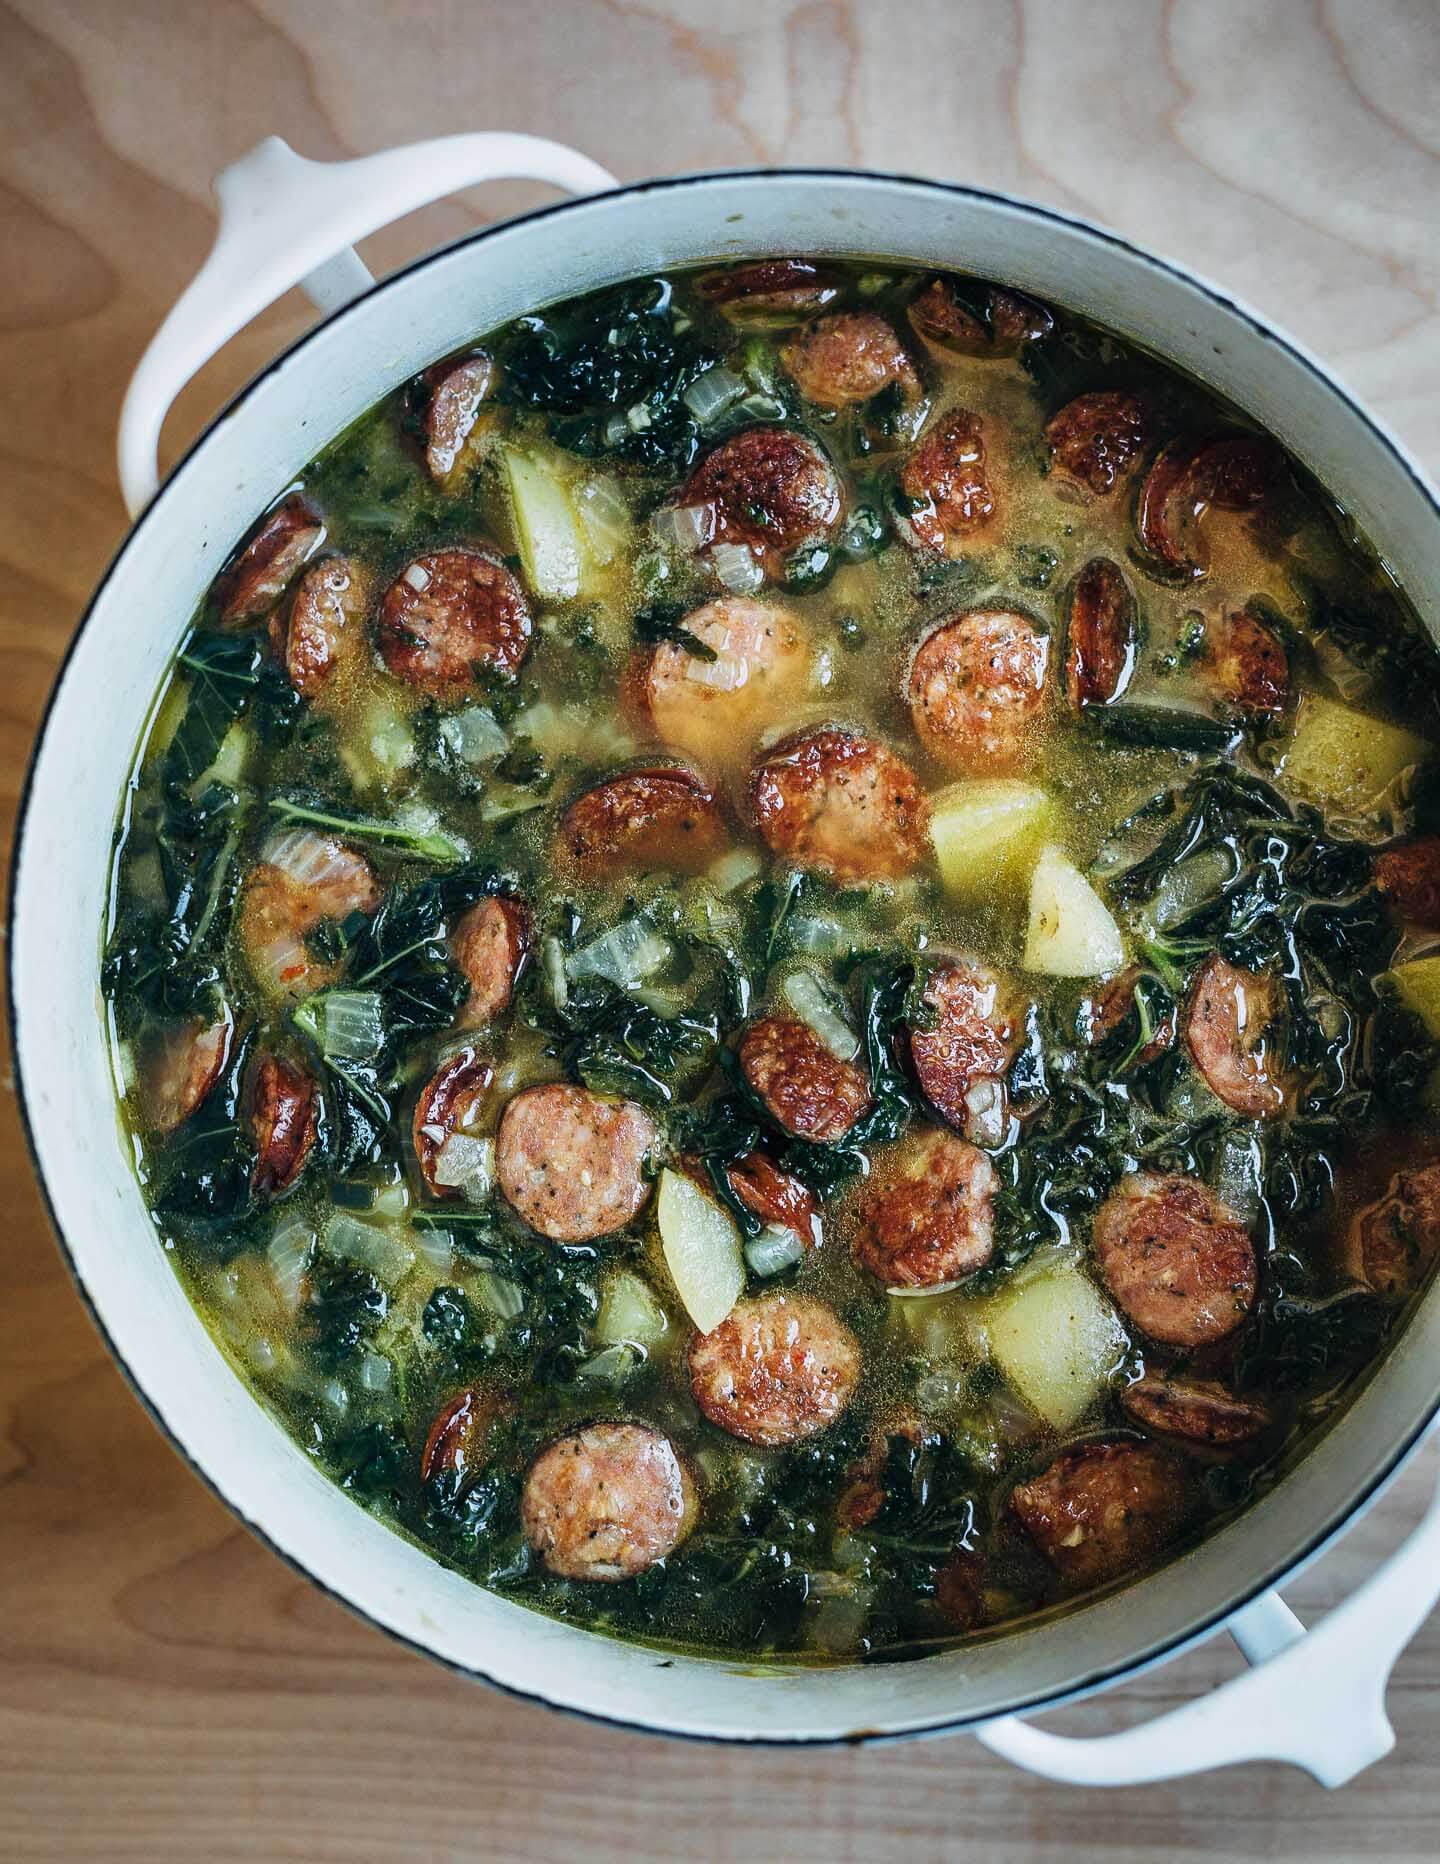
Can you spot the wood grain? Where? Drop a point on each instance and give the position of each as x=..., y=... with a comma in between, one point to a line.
x=169, y=1689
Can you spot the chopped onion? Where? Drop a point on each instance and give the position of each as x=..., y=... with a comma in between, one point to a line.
x=552, y=964
x=638, y=418
x=605, y=517
x=503, y=1298
x=391, y=1200
x=376, y=1372
x=686, y=528
x=734, y=868
x=985, y=1109
x=814, y=1005
x=612, y=1365
x=627, y=955
x=824, y=937
x=709, y=395
x=368, y=1246
x=1189, y=885
x=467, y=1165
x=261, y=1354
x=737, y=568
x=1238, y=1175
x=289, y=1256
x=306, y=857
x=773, y=1251
x=474, y=735
x=436, y=1247
x=350, y=1024
x=763, y=408
x=418, y=578
x=335, y=1395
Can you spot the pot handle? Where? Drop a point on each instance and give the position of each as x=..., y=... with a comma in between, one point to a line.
x=287, y=221
x=1315, y=1699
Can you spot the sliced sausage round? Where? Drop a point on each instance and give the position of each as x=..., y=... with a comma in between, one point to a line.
x=1391, y=1245
x=769, y=290
x=490, y=943
x=1175, y=1259
x=1408, y=877
x=929, y=1220
x=770, y=489
x=261, y=573
x=960, y=1590
x=284, y=1118
x=451, y=1101
x=806, y=1088
x=1246, y=665
x=449, y=614
x=1234, y=472
x=715, y=709
x=962, y=1056
x=1096, y=439
x=607, y=1501
x=777, y=1369
x=842, y=804
x=302, y=878
x=322, y=626
x=1101, y=635
x=571, y=1164
x=975, y=319
x=1233, y=1021
x=179, y=1069
x=847, y=358
x=1196, y=1411
x=458, y=392
x=1113, y=1007
x=661, y=817
x=945, y=496
x=775, y=1197
x=457, y=1440
x=1104, y=1508
x=977, y=689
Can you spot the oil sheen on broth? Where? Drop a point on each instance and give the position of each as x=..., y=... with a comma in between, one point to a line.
x=774, y=961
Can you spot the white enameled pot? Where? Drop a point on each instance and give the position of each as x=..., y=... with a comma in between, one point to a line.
x=1314, y=1699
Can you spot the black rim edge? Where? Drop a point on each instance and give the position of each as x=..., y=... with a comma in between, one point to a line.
x=1094, y=1680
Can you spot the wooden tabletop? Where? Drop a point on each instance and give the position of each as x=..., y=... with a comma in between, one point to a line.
x=169, y=1689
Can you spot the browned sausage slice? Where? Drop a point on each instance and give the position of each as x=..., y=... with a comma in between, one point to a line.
x=1409, y=878
x=769, y=290
x=961, y=1060
x=572, y=1164
x=179, y=1069
x=262, y=571
x=1391, y=1245
x=1104, y=1508
x=490, y=943
x=322, y=624
x=977, y=689
x=457, y=1439
x=945, y=494
x=960, y=1590
x=806, y=1089
x=847, y=358
x=607, y=1501
x=1095, y=439
x=1232, y=1029
x=1114, y=1005
x=662, y=817
x=1100, y=636
x=975, y=319
x=1234, y=472
x=777, y=1369
x=284, y=1116
x=715, y=709
x=842, y=804
x=928, y=1221
x=775, y=1197
x=458, y=391
x=768, y=488
x=1197, y=1411
x=1246, y=665
x=451, y=1101
x=449, y=614
x=1175, y=1259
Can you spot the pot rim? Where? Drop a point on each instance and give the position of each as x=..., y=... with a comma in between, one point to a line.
x=1101, y=1676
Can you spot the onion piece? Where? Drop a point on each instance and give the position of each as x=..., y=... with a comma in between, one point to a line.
x=612, y=1365
x=368, y=1246
x=474, y=735
x=734, y=868
x=815, y=1007
x=604, y=516
x=774, y=1250
x=288, y=1257
x=307, y=857
x=467, y=1165
x=737, y=568
x=349, y=1024
x=709, y=395
x=685, y=528
x=628, y=954
x=376, y=1374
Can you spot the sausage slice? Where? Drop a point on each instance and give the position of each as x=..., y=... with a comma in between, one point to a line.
x=806, y=1089
x=962, y=1059
x=458, y=392
x=1095, y=439
x=1104, y=1508
x=1196, y=1411
x=1114, y=1005
x=775, y=1197
x=263, y=570
x=284, y=1117
x=451, y=1101
x=448, y=615
x=456, y=1441
x=777, y=1369
x=1175, y=1259
x=662, y=817
x=1232, y=1026
x=977, y=689
x=1100, y=636
x=840, y=803
x=180, y=1068
x=1231, y=472
x=769, y=290
x=769, y=488
x=1246, y=665
x=929, y=1222
x=607, y=1501
x=849, y=357
x=321, y=626
x=975, y=319
x=945, y=494
x=1408, y=877
x=715, y=709
x=1391, y=1245
x=571, y=1164
x=490, y=943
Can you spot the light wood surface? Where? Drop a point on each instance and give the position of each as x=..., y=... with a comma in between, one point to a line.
x=169, y=1690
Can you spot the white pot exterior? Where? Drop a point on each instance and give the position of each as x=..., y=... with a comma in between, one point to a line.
x=63, y=863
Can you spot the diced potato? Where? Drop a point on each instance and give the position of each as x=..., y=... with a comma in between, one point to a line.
x=987, y=834
x=631, y=1313
x=702, y=1247
x=1071, y=932
x=1056, y=1339
x=1343, y=759
x=936, y=1326
x=552, y=549
x=1418, y=987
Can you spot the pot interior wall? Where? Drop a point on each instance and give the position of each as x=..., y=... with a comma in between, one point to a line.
x=83, y=761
